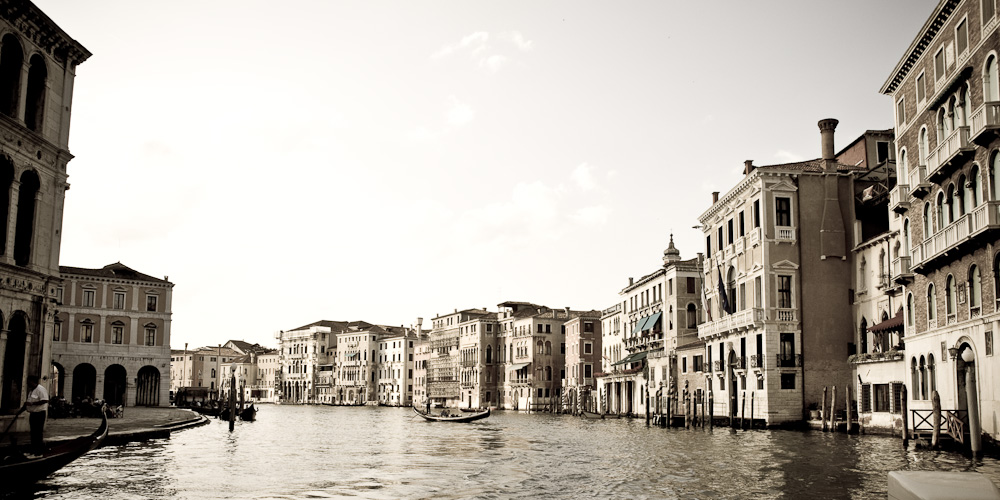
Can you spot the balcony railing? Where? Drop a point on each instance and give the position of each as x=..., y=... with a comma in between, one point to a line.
x=954, y=145
x=786, y=314
x=753, y=237
x=756, y=361
x=981, y=219
x=730, y=322
x=784, y=233
x=986, y=117
x=789, y=360
x=718, y=366
x=901, y=273
x=919, y=185
x=899, y=198
x=739, y=246
x=740, y=363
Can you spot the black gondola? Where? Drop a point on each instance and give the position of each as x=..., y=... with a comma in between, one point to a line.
x=249, y=414
x=467, y=417
x=19, y=471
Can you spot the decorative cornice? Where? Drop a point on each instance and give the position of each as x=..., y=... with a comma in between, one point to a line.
x=923, y=40
x=34, y=25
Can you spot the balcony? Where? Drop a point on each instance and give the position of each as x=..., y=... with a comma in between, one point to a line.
x=784, y=234
x=952, y=149
x=740, y=320
x=740, y=364
x=739, y=246
x=919, y=185
x=901, y=273
x=899, y=198
x=718, y=366
x=753, y=237
x=787, y=315
x=985, y=123
x=789, y=360
x=756, y=361
x=980, y=220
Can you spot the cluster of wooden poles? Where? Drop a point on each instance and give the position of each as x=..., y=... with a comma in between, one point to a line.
x=831, y=424
x=689, y=404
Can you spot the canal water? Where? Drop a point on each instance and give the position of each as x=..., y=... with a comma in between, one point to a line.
x=307, y=452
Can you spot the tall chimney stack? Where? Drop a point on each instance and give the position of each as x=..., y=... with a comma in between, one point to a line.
x=748, y=167
x=826, y=129
x=715, y=197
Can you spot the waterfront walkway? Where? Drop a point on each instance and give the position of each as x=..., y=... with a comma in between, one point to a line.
x=137, y=424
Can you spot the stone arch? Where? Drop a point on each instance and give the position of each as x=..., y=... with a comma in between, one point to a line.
x=57, y=381
x=11, y=61
x=115, y=384
x=24, y=231
x=84, y=381
x=34, y=110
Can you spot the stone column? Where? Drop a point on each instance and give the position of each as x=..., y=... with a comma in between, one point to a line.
x=15, y=189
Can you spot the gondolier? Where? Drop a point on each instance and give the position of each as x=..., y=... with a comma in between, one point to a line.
x=37, y=405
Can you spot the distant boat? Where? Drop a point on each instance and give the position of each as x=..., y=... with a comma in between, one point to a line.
x=249, y=414
x=460, y=417
x=590, y=414
x=19, y=471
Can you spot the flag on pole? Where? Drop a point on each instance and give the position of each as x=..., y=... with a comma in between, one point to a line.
x=704, y=302
x=723, y=300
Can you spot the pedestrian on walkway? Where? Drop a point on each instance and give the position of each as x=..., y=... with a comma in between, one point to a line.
x=37, y=405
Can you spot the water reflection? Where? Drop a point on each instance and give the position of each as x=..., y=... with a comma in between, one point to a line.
x=319, y=452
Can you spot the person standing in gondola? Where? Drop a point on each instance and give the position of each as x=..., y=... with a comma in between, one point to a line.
x=37, y=405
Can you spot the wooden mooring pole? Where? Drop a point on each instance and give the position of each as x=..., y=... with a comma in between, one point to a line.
x=752, y=398
x=904, y=411
x=743, y=410
x=833, y=409
x=935, y=418
x=822, y=409
x=711, y=410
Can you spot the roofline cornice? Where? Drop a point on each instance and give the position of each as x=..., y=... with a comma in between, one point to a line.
x=85, y=277
x=740, y=187
x=919, y=44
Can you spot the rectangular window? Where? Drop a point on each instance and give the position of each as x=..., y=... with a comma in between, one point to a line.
x=962, y=36
x=881, y=152
x=882, y=398
x=87, y=333
x=866, y=398
x=989, y=10
x=921, y=93
x=588, y=371
x=119, y=302
x=757, y=299
x=539, y=328
x=743, y=296
x=684, y=364
x=117, y=334
x=756, y=213
x=588, y=327
x=786, y=350
x=59, y=295
x=742, y=226
x=721, y=241
x=897, y=397
x=698, y=363
x=548, y=328
x=708, y=244
x=151, y=303
x=782, y=211
x=57, y=331
x=939, y=64
x=690, y=284
x=785, y=292
x=901, y=112
x=787, y=380
x=151, y=336
x=88, y=298
x=729, y=225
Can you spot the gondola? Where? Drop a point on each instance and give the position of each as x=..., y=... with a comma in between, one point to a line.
x=590, y=414
x=249, y=414
x=467, y=417
x=19, y=471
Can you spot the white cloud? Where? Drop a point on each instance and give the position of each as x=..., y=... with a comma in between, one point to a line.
x=583, y=174
x=476, y=40
x=459, y=113
x=493, y=63
x=786, y=157
x=518, y=39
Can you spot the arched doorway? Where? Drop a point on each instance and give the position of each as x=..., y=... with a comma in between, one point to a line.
x=13, y=369
x=84, y=381
x=115, y=380
x=147, y=390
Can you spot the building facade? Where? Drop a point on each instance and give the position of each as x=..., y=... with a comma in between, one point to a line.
x=111, y=336
x=38, y=63
x=946, y=95
x=583, y=361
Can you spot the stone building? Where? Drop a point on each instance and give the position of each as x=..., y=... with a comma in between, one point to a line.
x=38, y=63
x=200, y=368
x=111, y=336
x=533, y=355
x=444, y=365
x=946, y=94
x=478, y=367
x=777, y=274
x=583, y=361
x=301, y=353
x=395, y=358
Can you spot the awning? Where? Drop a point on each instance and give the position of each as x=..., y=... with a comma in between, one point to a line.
x=651, y=322
x=632, y=358
x=893, y=324
x=639, y=324
x=519, y=366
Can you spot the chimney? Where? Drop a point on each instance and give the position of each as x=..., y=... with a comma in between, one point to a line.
x=715, y=197
x=826, y=128
x=748, y=167
x=630, y=281
x=567, y=312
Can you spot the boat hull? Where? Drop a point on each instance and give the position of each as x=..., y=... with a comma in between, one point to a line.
x=20, y=471
x=468, y=417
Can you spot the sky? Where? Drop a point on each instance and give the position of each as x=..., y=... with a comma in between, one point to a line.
x=384, y=161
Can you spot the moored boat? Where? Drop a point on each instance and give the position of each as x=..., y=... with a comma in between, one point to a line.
x=19, y=471
x=249, y=414
x=459, y=417
x=590, y=414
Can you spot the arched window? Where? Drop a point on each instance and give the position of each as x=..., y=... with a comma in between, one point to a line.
x=927, y=220
x=914, y=379
x=995, y=174
x=489, y=354
x=975, y=288
x=923, y=379
x=25, y=218
x=960, y=198
x=6, y=180
x=950, y=205
x=692, y=316
x=909, y=309
x=861, y=273
x=731, y=289
x=923, y=146
x=991, y=83
x=34, y=110
x=942, y=127
x=548, y=347
x=882, y=275
x=931, y=375
x=906, y=237
x=863, y=335
x=902, y=169
x=940, y=211
x=974, y=188
x=949, y=296
x=11, y=60
x=931, y=303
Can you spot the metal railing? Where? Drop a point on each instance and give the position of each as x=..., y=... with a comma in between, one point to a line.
x=789, y=360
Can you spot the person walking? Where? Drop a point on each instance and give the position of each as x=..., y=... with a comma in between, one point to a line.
x=37, y=405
